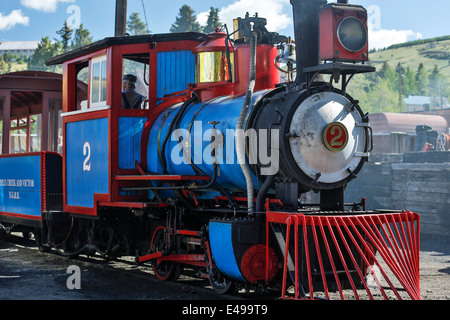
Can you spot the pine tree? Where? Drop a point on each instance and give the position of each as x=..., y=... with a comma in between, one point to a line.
x=186, y=21
x=422, y=80
x=3, y=66
x=436, y=85
x=82, y=37
x=388, y=75
x=213, y=21
x=383, y=98
x=135, y=26
x=66, y=34
x=409, y=83
x=6, y=57
x=46, y=49
x=384, y=69
x=435, y=79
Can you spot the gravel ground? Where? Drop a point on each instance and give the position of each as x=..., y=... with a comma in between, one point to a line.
x=26, y=274
x=435, y=268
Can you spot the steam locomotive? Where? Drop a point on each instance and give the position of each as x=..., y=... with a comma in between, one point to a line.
x=207, y=177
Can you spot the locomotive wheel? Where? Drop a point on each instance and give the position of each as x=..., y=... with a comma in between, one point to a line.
x=166, y=271
x=219, y=283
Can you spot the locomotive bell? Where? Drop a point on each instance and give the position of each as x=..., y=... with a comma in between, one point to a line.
x=288, y=54
x=288, y=57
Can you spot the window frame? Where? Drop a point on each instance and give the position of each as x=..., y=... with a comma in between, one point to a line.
x=103, y=83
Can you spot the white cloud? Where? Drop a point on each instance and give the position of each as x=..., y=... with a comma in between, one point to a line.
x=202, y=17
x=275, y=11
x=43, y=5
x=279, y=16
x=15, y=17
x=382, y=38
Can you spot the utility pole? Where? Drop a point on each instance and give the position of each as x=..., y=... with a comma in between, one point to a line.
x=121, y=18
x=400, y=83
x=400, y=89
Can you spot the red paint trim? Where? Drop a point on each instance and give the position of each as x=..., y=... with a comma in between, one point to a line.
x=85, y=210
x=109, y=78
x=68, y=90
x=6, y=119
x=43, y=185
x=149, y=257
x=190, y=259
x=64, y=174
x=86, y=57
x=29, y=154
x=161, y=178
x=189, y=233
x=139, y=168
x=89, y=115
x=115, y=63
x=137, y=205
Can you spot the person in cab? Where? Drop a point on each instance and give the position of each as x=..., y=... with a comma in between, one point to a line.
x=130, y=98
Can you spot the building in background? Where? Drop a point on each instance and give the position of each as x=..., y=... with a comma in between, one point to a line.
x=423, y=103
x=18, y=48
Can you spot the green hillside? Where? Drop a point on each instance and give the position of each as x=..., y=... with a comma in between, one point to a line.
x=423, y=67
x=431, y=54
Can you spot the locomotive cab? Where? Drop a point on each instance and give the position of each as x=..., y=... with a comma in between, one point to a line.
x=102, y=138
x=106, y=142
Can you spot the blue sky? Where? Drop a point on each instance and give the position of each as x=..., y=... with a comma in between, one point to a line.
x=392, y=21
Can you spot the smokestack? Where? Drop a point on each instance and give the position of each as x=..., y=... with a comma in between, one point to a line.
x=121, y=18
x=306, y=29
x=342, y=1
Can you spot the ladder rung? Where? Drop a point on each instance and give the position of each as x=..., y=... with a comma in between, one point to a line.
x=161, y=178
x=137, y=205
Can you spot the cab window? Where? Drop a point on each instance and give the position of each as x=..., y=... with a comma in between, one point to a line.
x=82, y=75
x=98, y=82
x=136, y=66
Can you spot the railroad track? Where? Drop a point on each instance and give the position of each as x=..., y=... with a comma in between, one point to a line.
x=25, y=273
x=20, y=259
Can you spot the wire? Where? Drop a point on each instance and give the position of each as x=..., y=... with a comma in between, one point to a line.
x=145, y=16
